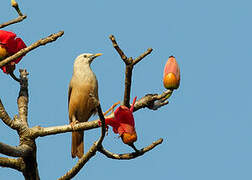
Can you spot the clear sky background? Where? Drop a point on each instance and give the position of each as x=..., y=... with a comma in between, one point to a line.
x=207, y=124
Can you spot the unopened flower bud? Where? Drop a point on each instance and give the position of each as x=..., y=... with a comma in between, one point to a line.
x=171, y=78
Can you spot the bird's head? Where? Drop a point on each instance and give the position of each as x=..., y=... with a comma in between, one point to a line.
x=86, y=58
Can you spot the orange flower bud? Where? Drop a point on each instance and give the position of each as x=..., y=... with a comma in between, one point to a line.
x=171, y=78
x=129, y=138
x=14, y=3
x=123, y=123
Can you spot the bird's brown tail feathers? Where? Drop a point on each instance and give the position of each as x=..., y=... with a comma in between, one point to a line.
x=77, y=144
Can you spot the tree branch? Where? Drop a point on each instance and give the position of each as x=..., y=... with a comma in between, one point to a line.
x=11, y=163
x=45, y=131
x=118, y=49
x=129, y=62
x=19, y=151
x=128, y=79
x=23, y=97
x=13, y=21
x=6, y=118
x=129, y=156
x=153, y=101
x=20, y=18
x=41, y=42
x=138, y=59
x=92, y=151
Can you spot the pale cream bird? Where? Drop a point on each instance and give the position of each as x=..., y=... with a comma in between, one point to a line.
x=82, y=87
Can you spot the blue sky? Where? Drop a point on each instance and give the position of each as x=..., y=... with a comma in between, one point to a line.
x=206, y=126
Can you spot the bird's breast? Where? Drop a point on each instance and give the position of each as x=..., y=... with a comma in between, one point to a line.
x=80, y=103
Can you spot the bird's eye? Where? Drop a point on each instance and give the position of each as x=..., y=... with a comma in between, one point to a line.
x=85, y=56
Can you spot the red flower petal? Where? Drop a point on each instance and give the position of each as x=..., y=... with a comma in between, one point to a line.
x=11, y=44
x=123, y=121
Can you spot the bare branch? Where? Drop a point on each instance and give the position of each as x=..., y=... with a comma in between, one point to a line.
x=138, y=59
x=14, y=76
x=128, y=79
x=23, y=96
x=129, y=68
x=45, y=131
x=118, y=49
x=24, y=51
x=129, y=156
x=20, y=18
x=11, y=163
x=19, y=151
x=16, y=20
x=92, y=151
x=14, y=4
x=6, y=118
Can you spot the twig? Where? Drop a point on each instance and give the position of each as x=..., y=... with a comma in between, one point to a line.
x=129, y=62
x=14, y=4
x=92, y=151
x=11, y=163
x=24, y=51
x=118, y=49
x=14, y=76
x=138, y=59
x=129, y=156
x=16, y=20
x=20, y=18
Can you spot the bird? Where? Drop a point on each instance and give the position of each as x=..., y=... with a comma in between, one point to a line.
x=82, y=87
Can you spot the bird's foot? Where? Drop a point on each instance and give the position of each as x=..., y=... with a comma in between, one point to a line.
x=73, y=123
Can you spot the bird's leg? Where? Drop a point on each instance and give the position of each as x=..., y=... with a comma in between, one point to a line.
x=111, y=108
x=74, y=122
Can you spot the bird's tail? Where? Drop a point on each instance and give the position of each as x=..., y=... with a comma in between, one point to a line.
x=77, y=144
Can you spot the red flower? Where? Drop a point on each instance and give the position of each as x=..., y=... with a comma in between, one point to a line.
x=171, y=78
x=9, y=45
x=123, y=123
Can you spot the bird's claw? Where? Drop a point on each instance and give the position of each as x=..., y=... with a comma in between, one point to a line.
x=73, y=123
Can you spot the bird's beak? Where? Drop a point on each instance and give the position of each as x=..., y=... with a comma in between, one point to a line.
x=95, y=56
x=98, y=54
